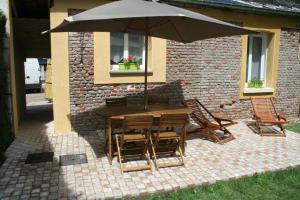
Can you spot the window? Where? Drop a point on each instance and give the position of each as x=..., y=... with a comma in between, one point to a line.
x=256, y=61
x=127, y=52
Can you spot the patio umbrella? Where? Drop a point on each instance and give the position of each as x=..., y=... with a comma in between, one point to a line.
x=149, y=18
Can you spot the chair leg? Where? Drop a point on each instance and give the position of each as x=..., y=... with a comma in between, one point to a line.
x=282, y=130
x=119, y=153
x=148, y=158
x=229, y=138
x=145, y=149
x=171, y=164
x=153, y=152
x=207, y=133
x=258, y=128
x=280, y=133
x=181, y=155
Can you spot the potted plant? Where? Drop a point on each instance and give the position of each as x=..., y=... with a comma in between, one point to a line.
x=255, y=83
x=122, y=66
x=130, y=63
x=133, y=62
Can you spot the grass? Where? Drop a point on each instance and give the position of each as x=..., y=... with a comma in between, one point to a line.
x=268, y=186
x=293, y=126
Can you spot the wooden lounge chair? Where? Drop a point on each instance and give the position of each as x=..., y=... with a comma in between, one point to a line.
x=265, y=115
x=136, y=129
x=175, y=138
x=214, y=129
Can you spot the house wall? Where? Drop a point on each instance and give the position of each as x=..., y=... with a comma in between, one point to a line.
x=288, y=86
x=268, y=24
x=156, y=62
x=14, y=67
x=213, y=70
x=86, y=96
x=210, y=70
x=60, y=62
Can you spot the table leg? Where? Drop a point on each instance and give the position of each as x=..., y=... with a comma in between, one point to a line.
x=183, y=141
x=109, y=141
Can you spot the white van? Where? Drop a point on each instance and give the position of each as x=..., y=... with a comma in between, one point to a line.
x=32, y=74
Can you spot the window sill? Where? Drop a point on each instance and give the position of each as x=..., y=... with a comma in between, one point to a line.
x=258, y=90
x=130, y=72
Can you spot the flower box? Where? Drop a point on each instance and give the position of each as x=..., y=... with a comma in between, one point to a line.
x=133, y=66
x=122, y=67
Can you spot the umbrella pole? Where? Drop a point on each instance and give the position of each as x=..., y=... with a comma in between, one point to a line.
x=146, y=74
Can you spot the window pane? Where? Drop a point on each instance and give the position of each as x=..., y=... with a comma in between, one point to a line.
x=256, y=57
x=135, y=46
x=116, y=48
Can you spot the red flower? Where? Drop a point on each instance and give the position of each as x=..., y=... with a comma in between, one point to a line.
x=130, y=56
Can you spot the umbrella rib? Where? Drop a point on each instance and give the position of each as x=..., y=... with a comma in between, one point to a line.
x=180, y=36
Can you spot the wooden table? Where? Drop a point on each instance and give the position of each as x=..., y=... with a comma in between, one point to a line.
x=118, y=113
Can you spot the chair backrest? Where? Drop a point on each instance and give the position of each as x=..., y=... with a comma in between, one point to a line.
x=174, y=121
x=120, y=101
x=137, y=122
x=156, y=99
x=197, y=112
x=141, y=124
x=264, y=108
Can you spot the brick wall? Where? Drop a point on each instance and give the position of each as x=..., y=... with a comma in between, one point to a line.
x=212, y=68
x=85, y=96
x=208, y=70
x=288, y=85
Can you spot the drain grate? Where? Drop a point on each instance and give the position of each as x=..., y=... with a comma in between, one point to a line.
x=39, y=157
x=73, y=159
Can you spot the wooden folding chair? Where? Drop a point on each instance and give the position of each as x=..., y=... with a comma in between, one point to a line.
x=157, y=100
x=265, y=115
x=136, y=129
x=176, y=138
x=214, y=129
x=116, y=125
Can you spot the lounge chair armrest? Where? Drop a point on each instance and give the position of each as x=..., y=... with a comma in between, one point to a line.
x=282, y=117
x=256, y=118
x=219, y=118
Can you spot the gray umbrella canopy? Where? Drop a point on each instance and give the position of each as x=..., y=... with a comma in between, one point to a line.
x=149, y=18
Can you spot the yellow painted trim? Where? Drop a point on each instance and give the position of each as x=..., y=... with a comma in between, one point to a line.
x=156, y=62
x=243, y=64
x=60, y=79
x=272, y=60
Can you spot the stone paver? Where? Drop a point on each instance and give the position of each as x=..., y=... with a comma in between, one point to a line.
x=207, y=162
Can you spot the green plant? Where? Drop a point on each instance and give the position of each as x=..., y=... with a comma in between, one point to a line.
x=132, y=62
x=255, y=83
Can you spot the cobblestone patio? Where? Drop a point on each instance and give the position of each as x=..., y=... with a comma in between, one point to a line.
x=207, y=162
